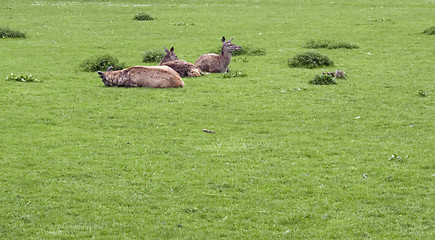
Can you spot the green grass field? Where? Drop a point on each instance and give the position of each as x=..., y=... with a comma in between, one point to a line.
x=288, y=159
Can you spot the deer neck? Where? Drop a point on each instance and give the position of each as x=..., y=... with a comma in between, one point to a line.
x=225, y=57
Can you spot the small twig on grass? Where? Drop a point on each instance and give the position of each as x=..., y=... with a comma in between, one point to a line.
x=208, y=131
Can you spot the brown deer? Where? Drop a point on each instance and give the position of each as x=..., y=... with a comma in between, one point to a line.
x=214, y=63
x=153, y=77
x=337, y=74
x=183, y=68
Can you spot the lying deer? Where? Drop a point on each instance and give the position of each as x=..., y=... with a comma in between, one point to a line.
x=153, y=77
x=183, y=68
x=337, y=74
x=217, y=63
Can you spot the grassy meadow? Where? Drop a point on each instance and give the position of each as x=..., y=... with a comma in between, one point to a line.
x=288, y=159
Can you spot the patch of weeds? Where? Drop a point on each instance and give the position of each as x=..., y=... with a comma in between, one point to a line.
x=310, y=60
x=422, y=93
x=296, y=89
x=22, y=78
x=101, y=63
x=329, y=44
x=6, y=32
x=429, y=31
x=397, y=158
x=233, y=74
x=143, y=17
x=153, y=55
x=324, y=79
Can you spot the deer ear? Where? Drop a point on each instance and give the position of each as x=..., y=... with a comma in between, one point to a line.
x=172, y=49
x=223, y=39
x=109, y=69
x=230, y=40
x=166, y=50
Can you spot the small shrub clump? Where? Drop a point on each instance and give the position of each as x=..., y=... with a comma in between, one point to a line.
x=429, y=31
x=6, y=32
x=246, y=51
x=310, y=60
x=324, y=79
x=143, y=17
x=250, y=51
x=329, y=44
x=22, y=78
x=101, y=63
x=153, y=55
x=233, y=74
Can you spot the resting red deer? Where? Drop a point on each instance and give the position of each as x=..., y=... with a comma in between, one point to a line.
x=217, y=63
x=337, y=74
x=183, y=68
x=153, y=77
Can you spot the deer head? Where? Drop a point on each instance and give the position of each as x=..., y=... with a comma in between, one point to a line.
x=228, y=46
x=170, y=55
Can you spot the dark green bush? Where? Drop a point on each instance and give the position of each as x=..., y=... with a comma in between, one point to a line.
x=153, y=55
x=323, y=79
x=101, y=63
x=22, y=78
x=143, y=17
x=6, y=32
x=310, y=60
x=429, y=31
x=329, y=44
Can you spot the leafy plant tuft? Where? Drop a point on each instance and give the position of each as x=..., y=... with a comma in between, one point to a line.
x=310, y=60
x=429, y=31
x=143, y=17
x=6, y=32
x=101, y=63
x=324, y=79
x=22, y=78
x=153, y=55
x=233, y=74
x=422, y=93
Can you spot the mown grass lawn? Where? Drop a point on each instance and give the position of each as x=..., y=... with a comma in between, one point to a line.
x=288, y=160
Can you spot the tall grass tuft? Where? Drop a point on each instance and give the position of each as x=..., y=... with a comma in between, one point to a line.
x=246, y=51
x=324, y=79
x=429, y=31
x=310, y=60
x=153, y=55
x=6, y=32
x=101, y=63
x=329, y=44
x=143, y=17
